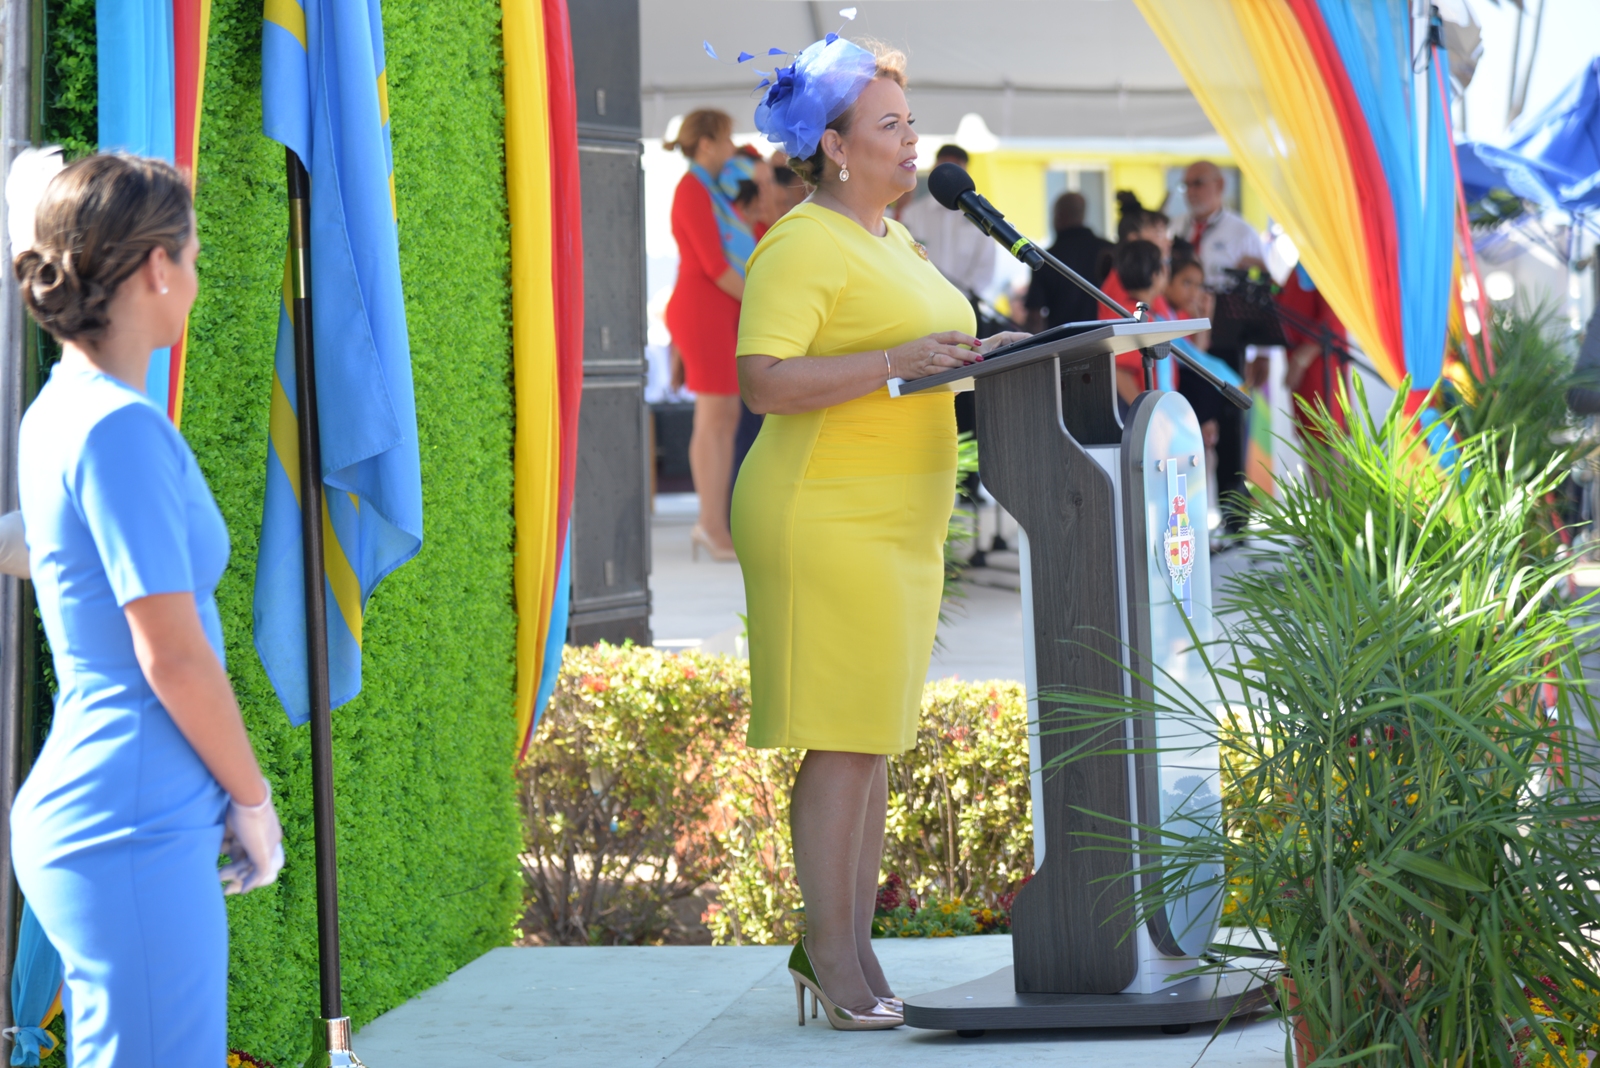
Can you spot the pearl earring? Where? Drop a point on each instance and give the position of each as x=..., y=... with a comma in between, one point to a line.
x=844, y=174
x=163, y=289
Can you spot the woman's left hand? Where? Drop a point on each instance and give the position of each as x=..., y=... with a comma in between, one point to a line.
x=1008, y=337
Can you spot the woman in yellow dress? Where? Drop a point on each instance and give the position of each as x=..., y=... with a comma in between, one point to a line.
x=841, y=508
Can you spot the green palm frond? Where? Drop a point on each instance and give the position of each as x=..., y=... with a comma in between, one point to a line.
x=1405, y=813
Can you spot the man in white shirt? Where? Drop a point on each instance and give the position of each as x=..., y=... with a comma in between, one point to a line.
x=1222, y=240
x=963, y=253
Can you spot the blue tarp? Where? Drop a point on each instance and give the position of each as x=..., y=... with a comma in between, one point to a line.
x=1552, y=158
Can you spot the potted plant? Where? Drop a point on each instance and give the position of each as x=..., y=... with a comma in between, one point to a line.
x=1405, y=816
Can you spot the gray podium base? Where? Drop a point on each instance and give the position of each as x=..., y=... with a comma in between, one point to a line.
x=992, y=1003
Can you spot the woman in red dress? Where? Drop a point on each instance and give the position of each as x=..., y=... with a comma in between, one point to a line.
x=703, y=316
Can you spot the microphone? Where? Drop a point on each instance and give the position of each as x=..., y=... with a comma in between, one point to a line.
x=952, y=187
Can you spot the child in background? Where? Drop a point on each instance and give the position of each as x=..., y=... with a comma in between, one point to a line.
x=1141, y=269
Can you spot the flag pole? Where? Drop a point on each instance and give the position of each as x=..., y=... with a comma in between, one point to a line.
x=17, y=118
x=331, y=1032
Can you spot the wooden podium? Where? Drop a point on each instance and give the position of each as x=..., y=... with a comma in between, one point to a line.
x=1113, y=546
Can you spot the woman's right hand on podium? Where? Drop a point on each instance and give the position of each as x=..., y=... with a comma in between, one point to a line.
x=932, y=354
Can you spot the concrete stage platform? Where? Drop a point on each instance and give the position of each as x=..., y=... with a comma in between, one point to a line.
x=733, y=1007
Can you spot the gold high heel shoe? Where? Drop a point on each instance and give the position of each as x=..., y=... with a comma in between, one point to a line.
x=877, y=1018
x=699, y=539
x=893, y=1004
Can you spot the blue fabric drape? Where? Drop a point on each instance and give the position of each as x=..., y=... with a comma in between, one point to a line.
x=138, y=105
x=1407, y=121
x=737, y=240
x=35, y=981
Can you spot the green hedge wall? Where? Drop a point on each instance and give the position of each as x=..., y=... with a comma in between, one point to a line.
x=428, y=825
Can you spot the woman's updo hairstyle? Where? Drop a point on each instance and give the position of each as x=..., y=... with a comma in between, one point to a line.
x=96, y=224
x=702, y=124
x=891, y=65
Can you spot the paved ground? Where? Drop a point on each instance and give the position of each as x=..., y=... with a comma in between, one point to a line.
x=733, y=1007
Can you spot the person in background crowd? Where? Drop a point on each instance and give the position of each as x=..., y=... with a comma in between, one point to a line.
x=703, y=316
x=1142, y=276
x=963, y=253
x=1309, y=371
x=1130, y=215
x=747, y=181
x=147, y=773
x=1187, y=295
x=1135, y=222
x=1156, y=228
x=787, y=188
x=1186, y=289
x=1223, y=241
x=1052, y=299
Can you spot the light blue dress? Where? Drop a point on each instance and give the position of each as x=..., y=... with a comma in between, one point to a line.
x=116, y=831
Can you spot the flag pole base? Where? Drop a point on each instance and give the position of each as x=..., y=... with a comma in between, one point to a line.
x=330, y=1045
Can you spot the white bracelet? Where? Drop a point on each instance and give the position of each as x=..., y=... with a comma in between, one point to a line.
x=887, y=365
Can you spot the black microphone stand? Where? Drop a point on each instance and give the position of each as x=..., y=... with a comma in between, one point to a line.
x=1333, y=349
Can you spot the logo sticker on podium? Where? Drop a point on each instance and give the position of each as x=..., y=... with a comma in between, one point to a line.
x=1179, y=541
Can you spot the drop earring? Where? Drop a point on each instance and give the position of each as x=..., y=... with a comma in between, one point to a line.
x=844, y=173
x=163, y=290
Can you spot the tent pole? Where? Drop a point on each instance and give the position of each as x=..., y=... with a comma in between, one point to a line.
x=331, y=1032
x=16, y=131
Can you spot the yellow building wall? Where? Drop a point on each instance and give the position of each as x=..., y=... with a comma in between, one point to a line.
x=1015, y=181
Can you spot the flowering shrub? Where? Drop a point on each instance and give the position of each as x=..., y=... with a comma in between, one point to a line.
x=238, y=1058
x=639, y=791
x=960, y=819
x=758, y=901
x=900, y=915
x=620, y=791
x=1571, y=1036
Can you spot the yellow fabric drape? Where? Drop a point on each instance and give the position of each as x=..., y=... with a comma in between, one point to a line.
x=1249, y=65
x=537, y=446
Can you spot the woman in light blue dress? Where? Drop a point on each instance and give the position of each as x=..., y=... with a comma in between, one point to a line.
x=117, y=831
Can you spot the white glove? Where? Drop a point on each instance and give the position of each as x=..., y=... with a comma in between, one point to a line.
x=13, y=546
x=254, y=843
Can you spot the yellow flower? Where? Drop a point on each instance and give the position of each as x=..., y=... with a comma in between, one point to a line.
x=233, y=1060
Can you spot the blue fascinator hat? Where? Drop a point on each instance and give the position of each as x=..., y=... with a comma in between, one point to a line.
x=817, y=88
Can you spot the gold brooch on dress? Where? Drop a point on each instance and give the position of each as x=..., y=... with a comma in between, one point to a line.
x=922, y=249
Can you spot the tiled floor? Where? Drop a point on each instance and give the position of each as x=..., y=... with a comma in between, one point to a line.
x=733, y=1007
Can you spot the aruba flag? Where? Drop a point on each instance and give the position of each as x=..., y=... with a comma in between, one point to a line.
x=324, y=96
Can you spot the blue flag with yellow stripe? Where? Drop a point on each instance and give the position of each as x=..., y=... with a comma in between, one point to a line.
x=323, y=95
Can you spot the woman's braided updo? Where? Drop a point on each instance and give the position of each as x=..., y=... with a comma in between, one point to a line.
x=96, y=224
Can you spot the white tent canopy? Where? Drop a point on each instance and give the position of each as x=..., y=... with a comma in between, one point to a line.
x=1046, y=69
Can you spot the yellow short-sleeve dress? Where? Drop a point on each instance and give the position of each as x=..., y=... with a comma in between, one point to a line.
x=839, y=515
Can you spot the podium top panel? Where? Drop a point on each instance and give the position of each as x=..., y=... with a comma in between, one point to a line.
x=1111, y=336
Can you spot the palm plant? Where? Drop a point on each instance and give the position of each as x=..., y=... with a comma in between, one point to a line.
x=1534, y=354
x=1405, y=816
